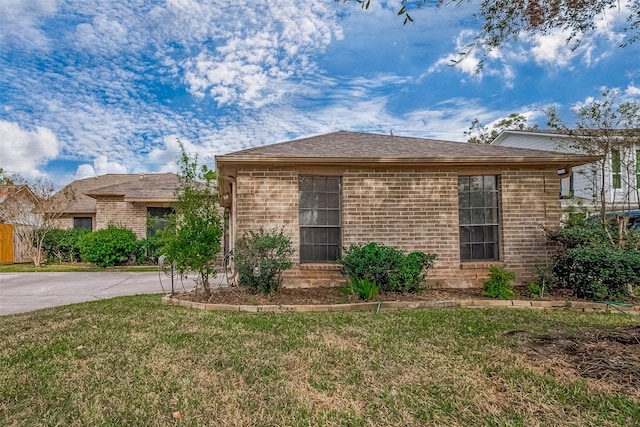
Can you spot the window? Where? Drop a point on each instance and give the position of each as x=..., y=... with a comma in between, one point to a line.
x=615, y=169
x=82, y=223
x=157, y=219
x=479, y=219
x=320, y=219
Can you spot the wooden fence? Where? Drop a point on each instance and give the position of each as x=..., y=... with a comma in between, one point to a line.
x=12, y=249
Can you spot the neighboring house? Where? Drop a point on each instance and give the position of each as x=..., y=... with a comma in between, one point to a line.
x=18, y=207
x=473, y=205
x=622, y=168
x=124, y=200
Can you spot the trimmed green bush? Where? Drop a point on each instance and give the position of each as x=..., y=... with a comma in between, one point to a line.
x=62, y=245
x=598, y=272
x=499, y=283
x=386, y=266
x=260, y=257
x=108, y=247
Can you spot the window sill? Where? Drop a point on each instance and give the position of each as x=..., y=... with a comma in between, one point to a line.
x=471, y=265
x=329, y=266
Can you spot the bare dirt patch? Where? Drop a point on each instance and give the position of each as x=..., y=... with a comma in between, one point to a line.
x=606, y=359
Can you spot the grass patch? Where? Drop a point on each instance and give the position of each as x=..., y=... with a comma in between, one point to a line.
x=134, y=361
x=69, y=267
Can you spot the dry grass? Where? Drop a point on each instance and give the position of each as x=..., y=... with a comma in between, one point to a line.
x=133, y=361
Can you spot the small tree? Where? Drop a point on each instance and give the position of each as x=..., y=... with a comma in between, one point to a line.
x=34, y=209
x=608, y=128
x=191, y=239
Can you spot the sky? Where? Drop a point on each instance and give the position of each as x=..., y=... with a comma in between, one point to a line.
x=89, y=87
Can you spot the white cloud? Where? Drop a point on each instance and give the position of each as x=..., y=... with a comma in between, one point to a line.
x=470, y=63
x=632, y=91
x=252, y=57
x=101, y=166
x=20, y=21
x=23, y=151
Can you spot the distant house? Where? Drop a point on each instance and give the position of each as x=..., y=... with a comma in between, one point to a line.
x=473, y=205
x=622, y=179
x=121, y=199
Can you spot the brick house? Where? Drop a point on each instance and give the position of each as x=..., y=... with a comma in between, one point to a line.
x=121, y=199
x=473, y=205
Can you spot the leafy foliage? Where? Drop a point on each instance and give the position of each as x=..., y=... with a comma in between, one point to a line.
x=595, y=260
x=362, y=288
x=598, y=272
x=503, y=21
x=147, y=250
x=62, y=245
x=191, y=238
x=481, y=134
x=499, y=283
x=107, y=247
x=261, y=257
x=386, y=266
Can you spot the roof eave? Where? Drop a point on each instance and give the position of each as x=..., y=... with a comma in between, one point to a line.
x=150, y=199
x=569, y=160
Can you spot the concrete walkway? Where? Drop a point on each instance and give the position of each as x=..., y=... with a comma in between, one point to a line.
x=22, y=292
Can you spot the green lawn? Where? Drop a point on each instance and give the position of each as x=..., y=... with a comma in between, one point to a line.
x=134, y=361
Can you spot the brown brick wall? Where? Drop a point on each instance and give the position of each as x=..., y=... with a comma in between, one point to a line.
x=414, y=210
x=530, y=201
x=114, y=210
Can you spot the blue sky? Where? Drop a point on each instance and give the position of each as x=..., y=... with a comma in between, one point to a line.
x=92, y=87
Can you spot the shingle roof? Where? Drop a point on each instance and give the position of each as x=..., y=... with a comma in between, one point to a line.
x=146, y=187
x=347, y=147
x=137, y=186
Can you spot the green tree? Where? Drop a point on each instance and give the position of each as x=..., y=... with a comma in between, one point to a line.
x=191, y=239
x=483, y=134
x=502, y=21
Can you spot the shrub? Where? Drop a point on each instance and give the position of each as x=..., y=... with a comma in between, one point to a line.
x=362, y=288
x=62, y=245
x=596, y=260
x=386, y=266
x=499, y=283
x=147, y=250
x=597, y=272
x=535, y=290
x=260, y=258
x=108, y=247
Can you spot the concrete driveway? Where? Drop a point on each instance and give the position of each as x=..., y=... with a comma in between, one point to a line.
x=21, y=292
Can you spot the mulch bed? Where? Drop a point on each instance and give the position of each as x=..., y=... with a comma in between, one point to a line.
x=305, y=296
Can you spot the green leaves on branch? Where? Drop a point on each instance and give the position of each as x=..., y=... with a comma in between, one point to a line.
x=108, y=247
x=499, y=283
x=192, y=236
x=386, y=266
x=260, y=258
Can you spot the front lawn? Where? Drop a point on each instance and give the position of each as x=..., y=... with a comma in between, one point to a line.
x=134, y=361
